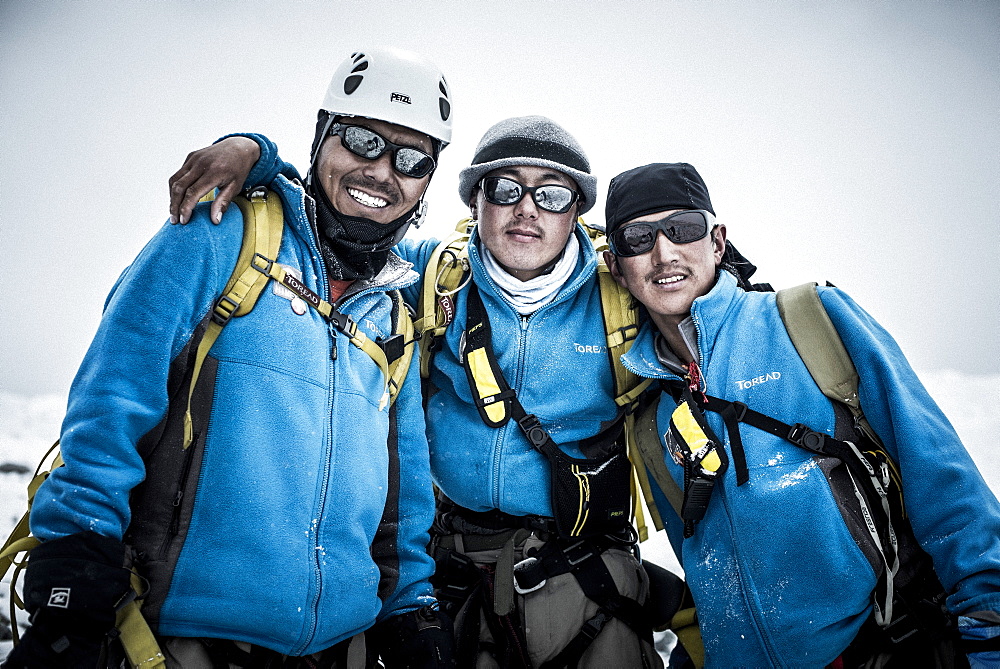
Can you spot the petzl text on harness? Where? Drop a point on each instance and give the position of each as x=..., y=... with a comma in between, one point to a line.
x=589, y=495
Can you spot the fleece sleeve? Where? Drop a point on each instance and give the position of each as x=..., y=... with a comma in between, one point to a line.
x=268, y=166
x=954, y=514
x=400, y=545
x=120, y=391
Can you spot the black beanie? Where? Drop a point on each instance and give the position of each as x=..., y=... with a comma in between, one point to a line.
x=652, y=188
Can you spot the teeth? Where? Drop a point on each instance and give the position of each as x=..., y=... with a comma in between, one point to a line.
x=366, y=199
x=670, y=279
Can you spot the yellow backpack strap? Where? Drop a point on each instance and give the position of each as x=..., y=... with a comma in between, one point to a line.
x=20, y=540
x=446, y=273
x=263, y=224
x=137, y=639
x=685, y=626
x=401, y=365
x=651, y=462
x=621, y=326
x=822, y=351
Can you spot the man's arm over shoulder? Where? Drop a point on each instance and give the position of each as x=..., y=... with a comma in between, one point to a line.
x=954, y=514
x=120, y=391
x=233, y=163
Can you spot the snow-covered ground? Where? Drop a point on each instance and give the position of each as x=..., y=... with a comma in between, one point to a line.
x=29, y=425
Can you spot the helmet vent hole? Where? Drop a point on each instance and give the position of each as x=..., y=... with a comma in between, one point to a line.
x=351, y=83
x=445, y=107
x=361, y=67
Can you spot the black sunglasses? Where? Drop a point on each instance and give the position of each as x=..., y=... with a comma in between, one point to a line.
x=361, y=141
x=550, y=197
x=682, y=227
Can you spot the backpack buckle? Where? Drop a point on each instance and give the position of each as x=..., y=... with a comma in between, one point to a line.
x=533, y=430
x=264, y=267
x=806, y=437
x=392, y=347
x=224, y=309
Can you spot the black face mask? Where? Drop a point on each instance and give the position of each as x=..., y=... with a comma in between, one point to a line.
x=353, y=247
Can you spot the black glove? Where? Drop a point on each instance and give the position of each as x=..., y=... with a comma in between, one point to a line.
x=421, y=639
x=72, y=588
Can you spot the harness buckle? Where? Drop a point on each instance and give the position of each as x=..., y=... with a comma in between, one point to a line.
x=593, y=627
x=583, y=551
x=741, y=411
x=523, y=571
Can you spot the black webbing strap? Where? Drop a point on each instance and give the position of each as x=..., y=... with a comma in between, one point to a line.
x=478, y=335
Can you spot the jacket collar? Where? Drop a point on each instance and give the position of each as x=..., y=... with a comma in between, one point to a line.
x=585, y=269
x=708, y=314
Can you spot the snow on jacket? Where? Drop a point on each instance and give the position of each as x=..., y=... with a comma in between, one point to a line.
x=777, y=577
x=556, y=359
x=307, y=507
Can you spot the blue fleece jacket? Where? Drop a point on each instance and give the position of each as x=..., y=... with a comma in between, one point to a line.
x=311, y=506
x=777, y=577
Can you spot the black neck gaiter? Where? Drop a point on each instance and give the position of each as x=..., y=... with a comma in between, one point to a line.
x=352, y=247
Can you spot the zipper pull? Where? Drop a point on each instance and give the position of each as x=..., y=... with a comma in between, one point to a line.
x=695, y=380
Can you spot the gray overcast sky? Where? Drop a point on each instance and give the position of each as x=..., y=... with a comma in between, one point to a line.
x=856, y=142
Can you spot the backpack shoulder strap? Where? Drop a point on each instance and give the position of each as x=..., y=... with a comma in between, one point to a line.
x=651, y=460
x=263, y=224
x=621, y=326
x=402, y=327
x=818, y=343
x=446, y=273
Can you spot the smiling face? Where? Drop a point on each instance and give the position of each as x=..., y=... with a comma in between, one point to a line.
x=523, y=238
x=669, y=277
x=370, y=189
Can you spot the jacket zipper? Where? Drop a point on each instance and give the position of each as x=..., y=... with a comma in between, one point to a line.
x=737, y=563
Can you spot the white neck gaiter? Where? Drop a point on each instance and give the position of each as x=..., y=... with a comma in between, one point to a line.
x=527, y=297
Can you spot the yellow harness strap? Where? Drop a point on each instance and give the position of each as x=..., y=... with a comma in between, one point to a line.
x=399, y=368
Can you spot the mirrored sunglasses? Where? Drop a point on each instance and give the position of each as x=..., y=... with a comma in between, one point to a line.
x=361, y=141
x=550, y=197
x=682, y=227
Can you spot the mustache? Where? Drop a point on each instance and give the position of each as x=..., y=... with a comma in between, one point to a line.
x=672, y=270
x=519, y=225
x=386, y=191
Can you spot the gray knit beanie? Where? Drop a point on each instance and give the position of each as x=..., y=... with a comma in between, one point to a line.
x=530, y=140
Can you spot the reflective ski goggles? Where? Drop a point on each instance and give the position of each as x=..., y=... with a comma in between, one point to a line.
x=550, y=197
x=682, y=227
x=407, y=160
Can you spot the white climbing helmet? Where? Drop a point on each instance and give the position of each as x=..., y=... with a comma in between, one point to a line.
x=393, y=86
